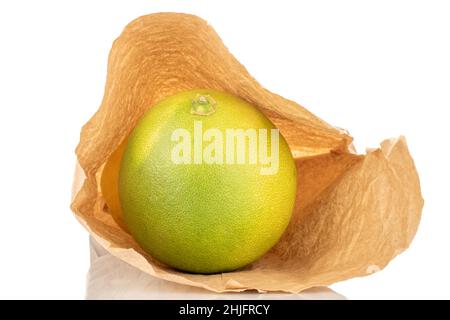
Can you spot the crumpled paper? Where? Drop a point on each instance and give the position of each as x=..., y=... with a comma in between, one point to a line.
x=353, y=214
x=113, y=279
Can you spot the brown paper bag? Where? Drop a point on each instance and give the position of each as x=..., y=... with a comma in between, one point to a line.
x=354, y=213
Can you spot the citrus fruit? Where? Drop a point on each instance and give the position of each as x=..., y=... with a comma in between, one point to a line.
x=207, y=184
x=109, y=184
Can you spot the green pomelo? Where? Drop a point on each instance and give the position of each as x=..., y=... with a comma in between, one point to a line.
x=204, y=217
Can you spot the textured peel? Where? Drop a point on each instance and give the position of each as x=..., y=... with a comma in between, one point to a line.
x=353, y=213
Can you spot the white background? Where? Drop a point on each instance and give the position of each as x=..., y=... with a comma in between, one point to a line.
x=377, y=68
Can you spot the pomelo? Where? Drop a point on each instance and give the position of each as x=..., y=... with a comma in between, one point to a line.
x=190, y=198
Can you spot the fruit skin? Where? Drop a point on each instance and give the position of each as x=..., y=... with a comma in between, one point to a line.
x=202, y=218
x=110, y=184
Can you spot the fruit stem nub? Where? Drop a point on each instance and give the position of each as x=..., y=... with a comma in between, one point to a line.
x=203, y=105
